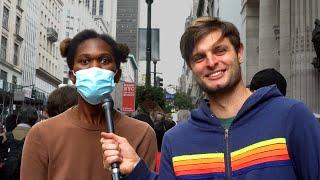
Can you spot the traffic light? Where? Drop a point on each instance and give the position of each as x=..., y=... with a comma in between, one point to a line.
x=33, y=93
x=159, y=81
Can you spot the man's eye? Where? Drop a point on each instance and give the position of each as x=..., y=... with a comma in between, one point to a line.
x=220, y=51
x=197, y=58
x=105, y=59
x=84, y=61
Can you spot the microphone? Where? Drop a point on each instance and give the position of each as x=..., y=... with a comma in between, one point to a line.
x=107, y=105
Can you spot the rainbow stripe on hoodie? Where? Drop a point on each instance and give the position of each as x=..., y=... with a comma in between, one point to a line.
x=272, y=152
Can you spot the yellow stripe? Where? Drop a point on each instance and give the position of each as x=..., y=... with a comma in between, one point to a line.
x=198, y=156
x=259, y=144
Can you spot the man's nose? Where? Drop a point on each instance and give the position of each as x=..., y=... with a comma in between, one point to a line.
x=95, y=63
x=211, y=60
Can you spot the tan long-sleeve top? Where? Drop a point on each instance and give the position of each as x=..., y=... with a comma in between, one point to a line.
x=65, y=148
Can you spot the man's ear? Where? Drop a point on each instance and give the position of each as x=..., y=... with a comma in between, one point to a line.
x=118, y=76
x=72, y=77
x=240, y=54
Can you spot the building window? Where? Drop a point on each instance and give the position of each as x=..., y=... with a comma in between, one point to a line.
x=94, y=7
x=3, y=75
x=19, y=3
x=3, y=51
x=14, y=80
x=87, y=4
x=18, y=24
x=67, y=34
x=5, y=18
x=16, y=54
x=101, y=8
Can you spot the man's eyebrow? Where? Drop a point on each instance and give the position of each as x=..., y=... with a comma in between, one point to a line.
x=218, y=43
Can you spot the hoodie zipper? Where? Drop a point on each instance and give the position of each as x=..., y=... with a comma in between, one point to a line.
x=227, y=158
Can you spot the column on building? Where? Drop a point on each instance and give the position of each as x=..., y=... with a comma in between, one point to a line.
x=268, y=34
x=250, y=34
x=285, y=47
x=305, y=78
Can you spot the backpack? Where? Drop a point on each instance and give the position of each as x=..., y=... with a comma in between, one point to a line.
x=12, y=160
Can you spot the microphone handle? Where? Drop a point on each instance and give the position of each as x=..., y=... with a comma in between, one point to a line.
x=108, y=107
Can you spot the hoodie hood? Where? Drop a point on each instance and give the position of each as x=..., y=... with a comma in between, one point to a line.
x=202, y=116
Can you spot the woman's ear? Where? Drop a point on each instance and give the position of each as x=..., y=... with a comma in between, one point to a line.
x=72, y=77
x=117, y=76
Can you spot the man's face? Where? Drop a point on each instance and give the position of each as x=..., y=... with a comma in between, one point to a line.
x=94, y=53
x=215, y=64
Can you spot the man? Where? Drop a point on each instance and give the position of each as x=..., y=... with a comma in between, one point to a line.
x=267, y=77
x=67, y=146
x=235, y=134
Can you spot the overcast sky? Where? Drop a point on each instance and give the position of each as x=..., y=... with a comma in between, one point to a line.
x=169, y=16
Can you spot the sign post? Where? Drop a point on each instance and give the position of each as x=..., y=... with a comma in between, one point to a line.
x=128, y=97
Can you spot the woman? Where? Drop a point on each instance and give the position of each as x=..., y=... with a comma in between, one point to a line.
x=67, y=146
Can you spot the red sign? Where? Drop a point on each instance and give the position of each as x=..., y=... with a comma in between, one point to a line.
x=128, y=97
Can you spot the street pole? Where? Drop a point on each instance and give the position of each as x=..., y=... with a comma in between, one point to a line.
x=154, y=72
x=148, y=48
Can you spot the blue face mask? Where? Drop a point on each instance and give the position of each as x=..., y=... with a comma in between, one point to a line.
x=94, y=83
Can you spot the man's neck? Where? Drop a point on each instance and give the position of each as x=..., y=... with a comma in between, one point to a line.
x=90, y=114
x=229, y=103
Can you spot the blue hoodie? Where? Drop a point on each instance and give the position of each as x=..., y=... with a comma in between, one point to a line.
x=271, y=137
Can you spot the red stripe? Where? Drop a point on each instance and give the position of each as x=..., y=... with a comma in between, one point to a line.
x=277, y=152
x=260, y=161
x=199, y=171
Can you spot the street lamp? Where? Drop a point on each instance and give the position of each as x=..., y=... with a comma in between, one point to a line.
x=148, y=47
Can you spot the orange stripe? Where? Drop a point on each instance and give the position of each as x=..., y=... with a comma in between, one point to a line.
x=260, y=150
x=200, y=171
x=260, y=161
x=260, y=156
x=198, y=161
x=198, y=166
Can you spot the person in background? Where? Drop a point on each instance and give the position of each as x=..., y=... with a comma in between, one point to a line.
x=183, y=115
x=267, y=77
x=11, y=121
x=13, y=141
x=161, y=125
x=235, y=133
x=67, y=146
x=61, y=99
x=145, y=118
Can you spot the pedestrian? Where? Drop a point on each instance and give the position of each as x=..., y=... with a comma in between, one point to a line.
x=11, y=121
x=161, y=125
x=183, y=115
x=61, y=99
x=234, y=134
x=67, y=146
x=14, y=140
x=145, y=118
x=268, y=77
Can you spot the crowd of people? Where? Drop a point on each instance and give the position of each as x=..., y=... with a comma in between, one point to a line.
x=238, y=132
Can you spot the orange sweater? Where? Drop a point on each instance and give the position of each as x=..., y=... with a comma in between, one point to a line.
x=65, y=148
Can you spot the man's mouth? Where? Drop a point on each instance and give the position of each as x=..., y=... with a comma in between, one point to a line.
x=216, y=74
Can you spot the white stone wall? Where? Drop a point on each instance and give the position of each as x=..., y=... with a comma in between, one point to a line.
x=249, y=37
x=32, y=12
x=293, y=44
x=268, y=42
x=303, y=77
x=48, y=56
x=10, y=34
